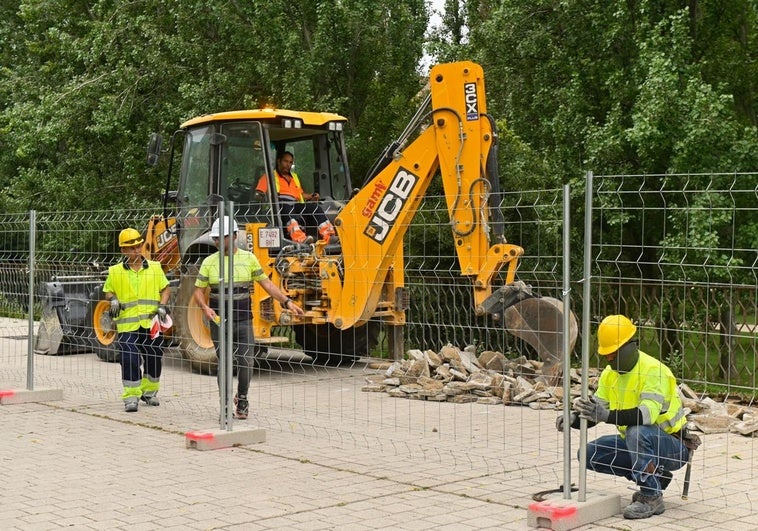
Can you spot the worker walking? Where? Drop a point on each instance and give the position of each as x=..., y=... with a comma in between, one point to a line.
x=138, y=290
x=638, y=394
x=247, y=270
x=292, y=201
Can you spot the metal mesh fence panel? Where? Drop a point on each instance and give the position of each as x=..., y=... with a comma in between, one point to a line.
x=677, y=253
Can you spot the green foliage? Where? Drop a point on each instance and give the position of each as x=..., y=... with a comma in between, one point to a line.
x=645, y=87
x=84, y=83
x=623, y=88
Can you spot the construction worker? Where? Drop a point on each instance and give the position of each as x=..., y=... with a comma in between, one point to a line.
x=247, y=270
x=138, y=290
x=638, y=394
x=292, y=201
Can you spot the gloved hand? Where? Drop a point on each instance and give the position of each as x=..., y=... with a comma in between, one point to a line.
x=592, y=409
x=115, y=307
x=162, y=313
x=559, y=421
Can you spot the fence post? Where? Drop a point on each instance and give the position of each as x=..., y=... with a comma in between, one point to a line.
x=30, y=342
x=586, y=312
x=566, y=342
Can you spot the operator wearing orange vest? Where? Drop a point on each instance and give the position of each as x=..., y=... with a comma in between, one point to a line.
x=138, y=290
x=638, y=394
x=292, y=201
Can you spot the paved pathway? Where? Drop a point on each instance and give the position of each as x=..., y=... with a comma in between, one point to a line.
x=82, y=463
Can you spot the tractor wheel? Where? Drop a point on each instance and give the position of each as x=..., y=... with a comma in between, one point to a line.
x=332, y=347
x=104, y=336
x=191, y=328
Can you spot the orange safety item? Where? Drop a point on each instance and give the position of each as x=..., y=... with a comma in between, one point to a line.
x=296, y=233
x=326, y=231
x=288, y=190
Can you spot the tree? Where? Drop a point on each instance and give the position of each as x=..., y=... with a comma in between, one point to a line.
x=87, y=82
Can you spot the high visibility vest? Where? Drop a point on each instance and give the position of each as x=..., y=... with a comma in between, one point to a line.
x=139, y=293
x=293, y=188
x=649, y=386
x=247, y=270
x=293, y=191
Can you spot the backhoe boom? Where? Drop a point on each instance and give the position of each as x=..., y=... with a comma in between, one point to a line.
x=372, y=225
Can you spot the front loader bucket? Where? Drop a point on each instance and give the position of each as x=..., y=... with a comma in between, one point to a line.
x=537, y=320
x=64, y=328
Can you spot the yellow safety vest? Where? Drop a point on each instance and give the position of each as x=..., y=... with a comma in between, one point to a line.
x=139, y=293
x=649, y=386
x=247, y=269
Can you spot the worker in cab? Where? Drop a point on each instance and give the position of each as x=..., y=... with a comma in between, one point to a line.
x=297, y=207
x=637, y=393
x=247, y=270
x=138, y=291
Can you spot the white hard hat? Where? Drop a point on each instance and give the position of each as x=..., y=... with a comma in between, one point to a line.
x=215, y=227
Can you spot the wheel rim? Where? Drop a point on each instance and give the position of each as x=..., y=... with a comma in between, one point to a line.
x=198, y=325
x=103, y=324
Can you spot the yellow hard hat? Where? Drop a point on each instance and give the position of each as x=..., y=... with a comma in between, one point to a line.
x=614, y=332
x=129, y=237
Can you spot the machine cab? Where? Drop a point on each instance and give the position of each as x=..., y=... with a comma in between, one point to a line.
x=225, y=155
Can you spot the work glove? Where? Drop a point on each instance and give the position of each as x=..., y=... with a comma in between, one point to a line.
x=115, y=307
x=592, y=409
x=162, y=313
x=559, y=421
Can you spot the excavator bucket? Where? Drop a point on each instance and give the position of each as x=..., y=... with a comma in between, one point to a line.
x=537, y=320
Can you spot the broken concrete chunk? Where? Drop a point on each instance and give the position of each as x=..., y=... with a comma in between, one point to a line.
x=462, y=377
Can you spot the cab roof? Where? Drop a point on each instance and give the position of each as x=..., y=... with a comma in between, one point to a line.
x=308, y=118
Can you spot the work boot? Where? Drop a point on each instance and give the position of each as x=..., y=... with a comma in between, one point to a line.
x=151, y=400
x=241, y=407
x=664, y=478
x=326, y=231
x=131, y=405
x=644, y=507
x=295, y=232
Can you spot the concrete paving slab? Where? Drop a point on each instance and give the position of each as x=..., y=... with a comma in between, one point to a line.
x=333, y=458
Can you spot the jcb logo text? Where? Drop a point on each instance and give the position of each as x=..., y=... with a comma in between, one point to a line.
x=391, y=205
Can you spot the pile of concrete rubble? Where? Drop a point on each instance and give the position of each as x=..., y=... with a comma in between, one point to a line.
x=461, y=376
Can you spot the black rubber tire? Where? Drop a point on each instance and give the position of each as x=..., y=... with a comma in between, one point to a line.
x=329, y=346
x=191, y=328
x=104, y=339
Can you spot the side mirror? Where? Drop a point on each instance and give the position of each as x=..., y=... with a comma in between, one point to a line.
x=154, y=149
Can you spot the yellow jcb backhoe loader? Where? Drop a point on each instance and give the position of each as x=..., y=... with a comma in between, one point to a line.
x=347, y=288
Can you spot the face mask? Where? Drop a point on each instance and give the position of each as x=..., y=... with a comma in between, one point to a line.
x=627, y=358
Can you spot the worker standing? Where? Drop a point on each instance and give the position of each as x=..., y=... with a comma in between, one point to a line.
x=638, y=394
x=247, y=270
x=138, y=290
x=292, y=201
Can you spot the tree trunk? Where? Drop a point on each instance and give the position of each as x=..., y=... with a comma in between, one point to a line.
x=727, y=368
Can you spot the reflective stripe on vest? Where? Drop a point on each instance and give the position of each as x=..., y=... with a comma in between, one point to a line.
x=287, y=197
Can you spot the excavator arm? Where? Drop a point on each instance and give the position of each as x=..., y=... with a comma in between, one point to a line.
x=458, y=142
x=372, y=225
